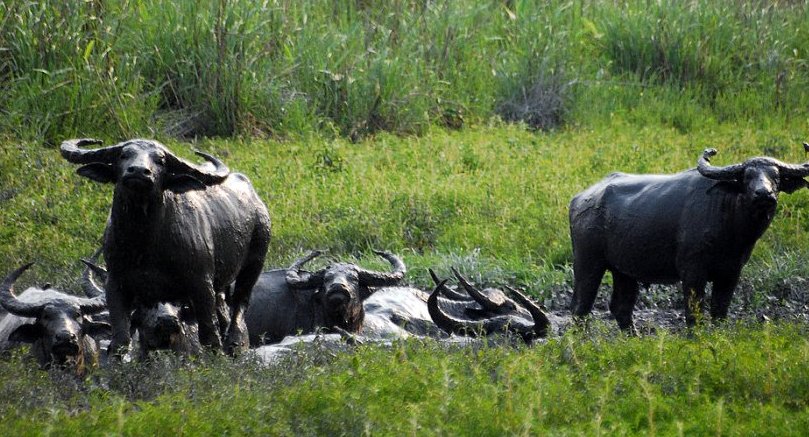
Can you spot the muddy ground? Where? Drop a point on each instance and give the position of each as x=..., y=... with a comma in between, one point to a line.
x=661, y=306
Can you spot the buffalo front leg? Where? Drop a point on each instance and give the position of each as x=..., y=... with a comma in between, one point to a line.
x=622, y=304
x=119, y=306
x=721, y=296
x=694, y=297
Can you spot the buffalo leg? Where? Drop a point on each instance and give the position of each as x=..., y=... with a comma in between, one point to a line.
x=624, y=295
x=238, y=339
x=205, y=311
x=721, y=296
x=586, y=279
x=119, y=307
x=694, y=296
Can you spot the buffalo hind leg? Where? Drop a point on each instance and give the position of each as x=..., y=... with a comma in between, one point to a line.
x=238, y=339
x=624, y=295
x=721, y=296
x=586, y=279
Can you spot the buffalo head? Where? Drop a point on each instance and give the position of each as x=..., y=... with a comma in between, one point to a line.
x=160, y=326
x=61, y=321
x=166, y=326
x=497, y=313
x=760, y=179
x=342, y=287
x=142, y=167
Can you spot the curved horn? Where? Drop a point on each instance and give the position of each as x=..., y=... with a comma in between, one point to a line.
x=445, y=321
x=795, y=170
x=541, y=321
x=297, y=279
x=92, y=306
x=727, y=173
x=207, y=176
x=71, y=151
x=448, y=292
x=370, y=278
x=91, y=288
x=476, y=294
x=10, y=302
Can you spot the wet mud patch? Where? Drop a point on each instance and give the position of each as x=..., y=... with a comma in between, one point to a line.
x=662, y=307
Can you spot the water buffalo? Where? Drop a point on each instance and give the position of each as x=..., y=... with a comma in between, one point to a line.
x=496, y=313
x=697, y=226
x=176, y=232
x=57, y=325
x=169, y=326
x=291, y=301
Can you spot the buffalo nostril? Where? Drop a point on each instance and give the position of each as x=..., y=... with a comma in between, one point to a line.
x=130, y=169
x=147, y=172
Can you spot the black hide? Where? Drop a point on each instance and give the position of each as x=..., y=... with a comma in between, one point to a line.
x=667, y=228
x=176, y=232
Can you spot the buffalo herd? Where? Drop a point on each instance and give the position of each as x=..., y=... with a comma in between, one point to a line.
x=184, y=248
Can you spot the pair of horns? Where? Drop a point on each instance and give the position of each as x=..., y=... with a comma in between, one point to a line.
x=502, y=323
x=73, y=152
x=30, y=309
x=369, y=278
x=736, y=171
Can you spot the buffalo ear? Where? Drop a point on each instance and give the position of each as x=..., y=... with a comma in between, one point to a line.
x=93, y=328
x=27, y=333
x=790, y=185
x=98, y=172
x=181, y=183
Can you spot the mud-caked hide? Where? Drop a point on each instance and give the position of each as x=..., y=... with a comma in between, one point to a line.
x=58, y=326
x=292, y=301
x=177, y=232
x=697, y=226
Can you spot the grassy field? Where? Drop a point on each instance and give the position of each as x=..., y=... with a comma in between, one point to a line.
x=452, y=133
x=739, y=380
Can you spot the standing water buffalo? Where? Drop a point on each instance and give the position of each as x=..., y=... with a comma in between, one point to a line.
x=176, y=232
x=57, y=325
x=291, y=301
x=696, y=226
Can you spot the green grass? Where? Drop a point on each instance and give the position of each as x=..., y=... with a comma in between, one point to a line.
x=739, y=380
x=492, y=199
x=286, y=68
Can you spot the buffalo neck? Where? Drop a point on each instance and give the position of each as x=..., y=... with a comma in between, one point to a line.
x=134, y=220
x=751, y=221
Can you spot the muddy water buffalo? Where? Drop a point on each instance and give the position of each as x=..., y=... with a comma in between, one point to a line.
x=496, y=313
x=167, y=326
x=176, y=232
x=57, y=325
x=291, y=301
x=697, y=226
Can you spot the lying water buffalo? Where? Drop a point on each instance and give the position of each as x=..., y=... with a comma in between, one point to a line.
x=696, y=226
x=497, y=314
x=176, y=232
x=290, y=301
x=57, y=325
